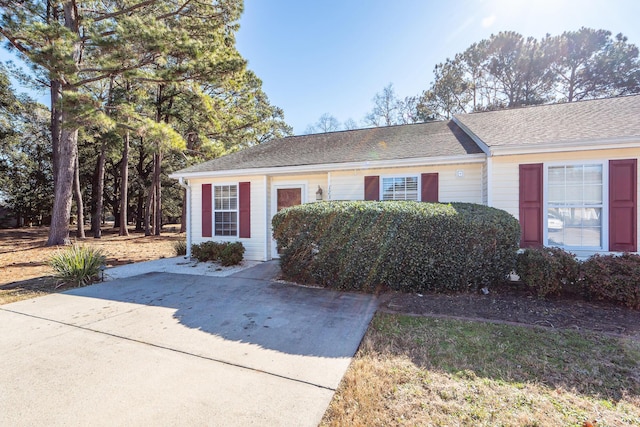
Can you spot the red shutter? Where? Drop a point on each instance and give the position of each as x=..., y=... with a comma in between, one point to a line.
x=429, y=192
x=207, y=216
x=531, y=215
x=244, y=204
x=372, y=188
x=623, y=205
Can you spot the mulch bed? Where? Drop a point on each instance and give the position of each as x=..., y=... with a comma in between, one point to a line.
x=513, y=304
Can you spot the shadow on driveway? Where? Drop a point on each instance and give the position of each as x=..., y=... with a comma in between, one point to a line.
x=281, y=317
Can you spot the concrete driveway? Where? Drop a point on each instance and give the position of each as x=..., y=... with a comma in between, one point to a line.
x=174, y=349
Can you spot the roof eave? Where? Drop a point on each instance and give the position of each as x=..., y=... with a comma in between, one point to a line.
x=567, y=146
x=327, y=167
x=479, y=142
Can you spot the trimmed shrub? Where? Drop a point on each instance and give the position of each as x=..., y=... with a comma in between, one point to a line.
x=613, y=278
x=232, y=254
x=548, y=271
x=77, y=265
x=180, y=247
x=407, y=246
x=226, y=253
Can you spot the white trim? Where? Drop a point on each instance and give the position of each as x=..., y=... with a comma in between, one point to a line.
x=417, y=177
x=267, y=235
x=187, y=187
x=214, y=210
x=551, y=146
x=326, y=167
x=489, y=181
x=479, y=142
x=482, y=175
x=329, y=185
x=302, y=185
x=604, y=216
x=557, y=147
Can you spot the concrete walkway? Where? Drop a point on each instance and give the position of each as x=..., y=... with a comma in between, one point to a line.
x=174, y=349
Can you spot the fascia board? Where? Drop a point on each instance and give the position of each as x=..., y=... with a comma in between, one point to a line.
x=551, y=147
x=326, y=167
x=479, y=142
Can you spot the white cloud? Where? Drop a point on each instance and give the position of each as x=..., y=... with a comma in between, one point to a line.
x=488, y=21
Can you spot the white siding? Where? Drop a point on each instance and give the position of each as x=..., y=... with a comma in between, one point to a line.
x=255, y=246
x=349, y=185
x=485, y=183
x=505, y=173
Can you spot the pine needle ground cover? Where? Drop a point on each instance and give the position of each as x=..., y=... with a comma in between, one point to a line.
x=25, y=272
x=425, y=371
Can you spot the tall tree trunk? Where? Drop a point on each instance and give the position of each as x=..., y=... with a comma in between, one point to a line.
x=56, y=118
x=96, y=219
x=157, y=163
x=124, y=185
x=67, y=150
x=158, y=193
x=142, y=177
x=148, y=209
x=116, y=213
x=63, y=192
x=77, y=191
x=140, y=212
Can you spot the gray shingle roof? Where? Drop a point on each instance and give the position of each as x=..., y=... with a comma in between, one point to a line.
x=384, y=143
x=557, y=123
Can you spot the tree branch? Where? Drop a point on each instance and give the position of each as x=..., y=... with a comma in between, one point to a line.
x=123, y=11
x=180, y=9
x=14, y=42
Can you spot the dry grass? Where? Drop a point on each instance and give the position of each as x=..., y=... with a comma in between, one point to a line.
x=421, y=371
x=24, y=269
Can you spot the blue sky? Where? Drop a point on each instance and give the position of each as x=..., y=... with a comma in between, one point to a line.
x=333, y=56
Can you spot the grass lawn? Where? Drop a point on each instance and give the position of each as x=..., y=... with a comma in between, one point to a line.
x=24, y=268
x=425, y=371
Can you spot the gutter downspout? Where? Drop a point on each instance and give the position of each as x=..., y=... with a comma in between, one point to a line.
x=187, y=187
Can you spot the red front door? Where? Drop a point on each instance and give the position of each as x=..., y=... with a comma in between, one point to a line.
x=289, y=197
x=286, y=197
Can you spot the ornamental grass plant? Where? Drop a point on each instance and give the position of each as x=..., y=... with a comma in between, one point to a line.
x=77, y=265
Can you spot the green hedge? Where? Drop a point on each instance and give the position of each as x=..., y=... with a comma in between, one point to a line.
x=226, y=253
x=406, y=246
x=613, y=278
x=610, y=278
x=549, y=271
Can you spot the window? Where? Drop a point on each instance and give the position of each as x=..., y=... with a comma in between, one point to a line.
x=400, y=188
x=575, y=205
x=226, y=210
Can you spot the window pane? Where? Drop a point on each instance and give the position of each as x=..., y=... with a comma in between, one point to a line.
x=573, y=174
x=226, y=216
x=593, y=174
x=573, y=195
x=556, y=175
x=573, y=236
x=575, y=200
x=592, y=236
x=400, y=188
x=593, y=194
x=556, y=194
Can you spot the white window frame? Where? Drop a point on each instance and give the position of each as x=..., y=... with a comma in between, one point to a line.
x=404, y=176
x=236, y=210
x=604, y=220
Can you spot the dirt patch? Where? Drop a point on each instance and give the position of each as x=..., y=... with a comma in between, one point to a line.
x=23, y=255
x=513, y=303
